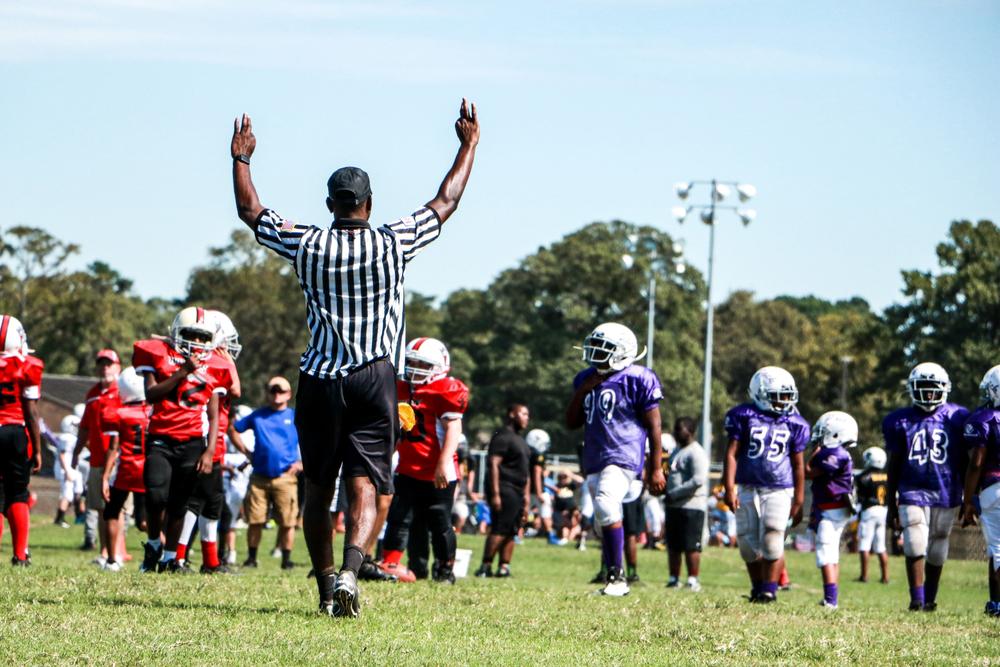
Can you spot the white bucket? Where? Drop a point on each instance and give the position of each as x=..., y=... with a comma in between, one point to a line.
x=462, y=559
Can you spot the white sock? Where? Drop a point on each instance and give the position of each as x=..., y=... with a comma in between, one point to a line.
x=692, y=580
x=190, y=518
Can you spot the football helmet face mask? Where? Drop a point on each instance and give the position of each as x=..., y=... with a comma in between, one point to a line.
x=226, y=335
x=538, y=440
x=192, y=334
x=835, y=429
x=875, y=457
x=13, y=339
x=131, y=386
x=773, y=389
x=611, y=347
x=928, y=385
x=990, y=387
x=426, y=360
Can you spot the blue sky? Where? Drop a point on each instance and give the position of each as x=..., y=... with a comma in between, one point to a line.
x=866, y=127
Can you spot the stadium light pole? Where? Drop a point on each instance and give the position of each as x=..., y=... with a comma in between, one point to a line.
x=719, y=190
x=647, y=245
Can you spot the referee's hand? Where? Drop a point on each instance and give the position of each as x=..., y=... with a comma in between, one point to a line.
x=467, y=125
x=243, y=142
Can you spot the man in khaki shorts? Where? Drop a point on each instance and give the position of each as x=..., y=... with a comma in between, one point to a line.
x=276, y=464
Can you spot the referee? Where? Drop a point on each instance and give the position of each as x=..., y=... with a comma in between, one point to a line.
x=346, y=408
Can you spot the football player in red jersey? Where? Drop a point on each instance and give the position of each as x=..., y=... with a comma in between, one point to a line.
x=427, y=473
x=20, y=439
x=181, y=385
x=90, y=434
x=205, y=504
x=126, y=425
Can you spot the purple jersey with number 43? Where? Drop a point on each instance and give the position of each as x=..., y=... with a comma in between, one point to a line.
x=934, y=458
x=614, y=432
x=766, y=443
x=982, y=429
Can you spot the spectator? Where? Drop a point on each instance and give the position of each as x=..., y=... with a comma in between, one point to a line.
x=507, y=487
x=276, y=463
x=686, y=503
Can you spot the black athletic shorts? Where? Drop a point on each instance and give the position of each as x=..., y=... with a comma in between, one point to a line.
x=209, y=494
x=684, y=528
x=351, y=422
x=633, y=518
x=169, y=474
x=15, y=466
x=508, y=520
x=113, y=508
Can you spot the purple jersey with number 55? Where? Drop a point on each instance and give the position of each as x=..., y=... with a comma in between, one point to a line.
x=767, y=441
x=933, y=455
x=614, y=432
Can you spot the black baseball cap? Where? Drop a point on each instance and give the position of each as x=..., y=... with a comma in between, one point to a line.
x=349, y=185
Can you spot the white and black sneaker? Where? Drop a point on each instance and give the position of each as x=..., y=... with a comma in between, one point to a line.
x=617, y=585
x=347, y=595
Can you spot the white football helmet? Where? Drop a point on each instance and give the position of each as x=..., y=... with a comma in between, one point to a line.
x=773, y=389
x=79, y=409
x=192, y=333
x=668, y=443
x=131, y=386
x=427, y=360
x=70, y=424
x=990, y=387
x=226, y=335
x=13, y=339
x=875, y=457
x=611, y=347
x=929, y=386
x=538, y=440
x=835, y=429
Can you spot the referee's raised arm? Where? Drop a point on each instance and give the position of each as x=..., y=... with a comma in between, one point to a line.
x=243, y=144
x=453, y=185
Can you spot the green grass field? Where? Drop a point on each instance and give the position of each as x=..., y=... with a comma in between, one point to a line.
x=64, y=611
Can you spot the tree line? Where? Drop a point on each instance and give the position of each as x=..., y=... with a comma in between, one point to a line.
x=514, y=340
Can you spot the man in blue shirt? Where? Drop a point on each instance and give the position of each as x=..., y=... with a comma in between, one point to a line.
x=276, y=464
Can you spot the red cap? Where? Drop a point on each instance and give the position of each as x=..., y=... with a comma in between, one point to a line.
x=108, y=354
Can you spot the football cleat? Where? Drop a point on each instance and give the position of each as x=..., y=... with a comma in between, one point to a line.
x=632, y=578
x=827, y=605
x=617, y=585
x=992, y=609
x=371, y=572
x=402, y=574
x=151, y=557
x=484, y=572
x=443, y=574
x=221, y=568
x=601, y=577
x=503, y=571
x=765, y=597
x=694, y=586
x=288, y=565
x=112, y=566
x=915, y=606
x=673, y=582
x=174, y=566
x=330, y=608
x=250, y=562
x=347, y=594
x=930, y=606
x=21, y=562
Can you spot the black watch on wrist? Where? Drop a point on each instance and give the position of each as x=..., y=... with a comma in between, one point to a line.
x=245, y=159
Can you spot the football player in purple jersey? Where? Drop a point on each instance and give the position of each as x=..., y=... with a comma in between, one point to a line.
x=982, y=436
x=830, y=469
x=926, y=469
x=766, y=439
x=618, y=405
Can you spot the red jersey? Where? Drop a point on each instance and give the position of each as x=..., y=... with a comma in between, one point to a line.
x=99, y=399
x=433, y=404
x=225, y=403
x=20, y=378
x=129, y=423
x=182, y=415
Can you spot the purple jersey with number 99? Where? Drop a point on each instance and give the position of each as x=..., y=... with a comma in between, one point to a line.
x=767, y=441
x=933, y=453
x=614, y=432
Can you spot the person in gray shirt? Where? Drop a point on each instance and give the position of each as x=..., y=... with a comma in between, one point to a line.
x=686, y=501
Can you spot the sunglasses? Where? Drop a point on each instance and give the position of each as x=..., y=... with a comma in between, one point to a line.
x=277, y=389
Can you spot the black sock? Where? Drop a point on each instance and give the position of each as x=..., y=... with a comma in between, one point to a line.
x=353, y=558
x=251, y=553
x=286, y=556
x=326, y=581
x=60, y=516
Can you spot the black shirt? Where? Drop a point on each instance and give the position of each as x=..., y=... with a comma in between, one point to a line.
x=515, y=459
x=871, y=485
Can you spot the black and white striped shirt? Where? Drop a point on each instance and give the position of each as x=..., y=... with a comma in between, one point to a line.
x=352, y=278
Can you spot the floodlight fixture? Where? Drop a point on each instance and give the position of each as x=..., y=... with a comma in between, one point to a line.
x=721, y=192
x=707, y=215
x=680, y=212
x=746, y=192
x=682, y=190
x=747, y=215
